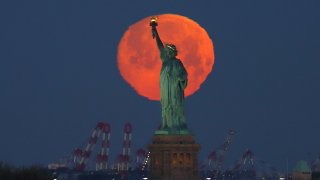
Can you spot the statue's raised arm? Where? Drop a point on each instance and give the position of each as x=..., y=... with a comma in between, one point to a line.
x=155, y=34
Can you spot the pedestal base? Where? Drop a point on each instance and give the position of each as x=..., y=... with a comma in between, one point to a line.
x=174, y=157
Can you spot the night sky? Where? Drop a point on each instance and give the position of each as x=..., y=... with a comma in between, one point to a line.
x=59, y=77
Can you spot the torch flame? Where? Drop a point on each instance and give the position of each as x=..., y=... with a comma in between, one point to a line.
x=154, y=19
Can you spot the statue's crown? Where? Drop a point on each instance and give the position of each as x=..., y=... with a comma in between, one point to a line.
x=172, y=47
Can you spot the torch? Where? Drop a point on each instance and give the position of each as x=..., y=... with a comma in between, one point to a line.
x=153, y=24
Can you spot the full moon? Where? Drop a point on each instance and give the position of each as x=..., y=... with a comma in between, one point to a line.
x=139, y=58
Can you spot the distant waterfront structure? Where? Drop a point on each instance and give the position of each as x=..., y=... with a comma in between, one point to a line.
x=301, y=171
x=315, y=168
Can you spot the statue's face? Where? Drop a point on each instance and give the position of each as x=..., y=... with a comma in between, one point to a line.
x=171, y=51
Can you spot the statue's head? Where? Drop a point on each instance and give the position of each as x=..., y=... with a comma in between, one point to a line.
x=171, y=50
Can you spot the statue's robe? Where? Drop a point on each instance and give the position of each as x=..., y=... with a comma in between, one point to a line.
x=173, y=81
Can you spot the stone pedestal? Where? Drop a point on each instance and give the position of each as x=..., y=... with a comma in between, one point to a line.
x=174, y=157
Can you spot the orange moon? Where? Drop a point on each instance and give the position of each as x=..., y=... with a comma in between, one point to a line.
x=139, y=58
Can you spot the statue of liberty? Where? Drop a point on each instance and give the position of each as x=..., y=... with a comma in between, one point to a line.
x=173, y=81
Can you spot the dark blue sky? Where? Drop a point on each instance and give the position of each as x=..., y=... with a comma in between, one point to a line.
x=59, y=76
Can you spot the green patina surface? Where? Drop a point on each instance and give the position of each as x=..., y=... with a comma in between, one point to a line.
x=173, y=132
x=173, y=81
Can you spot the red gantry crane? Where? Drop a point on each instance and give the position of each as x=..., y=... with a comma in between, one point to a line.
x=80, y=156
x=245, y=166
x=123, y=160
x=251, y=167
x=216, y=157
